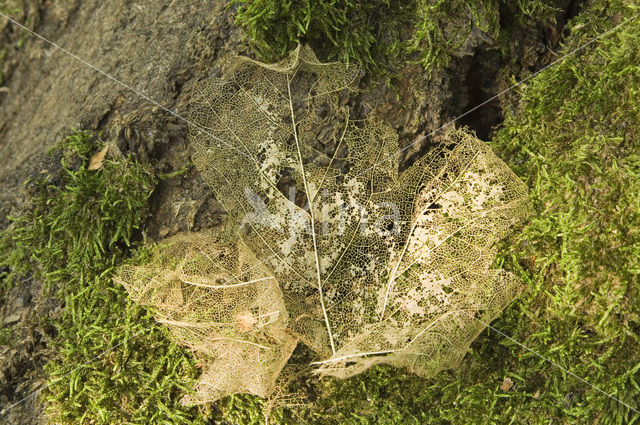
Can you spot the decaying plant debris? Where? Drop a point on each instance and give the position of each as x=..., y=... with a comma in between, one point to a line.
x=331, y=245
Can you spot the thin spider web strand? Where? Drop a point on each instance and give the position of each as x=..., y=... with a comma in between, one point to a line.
x=610, y=31
x=551, y=362
x=123, y=84
x=498, y=331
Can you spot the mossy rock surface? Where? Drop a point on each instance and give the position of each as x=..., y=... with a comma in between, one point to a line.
x=572, y=137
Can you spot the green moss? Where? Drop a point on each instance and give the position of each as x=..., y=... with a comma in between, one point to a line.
x=377, y=34
x=348, y=30
x=111, y=363
x=574, y=139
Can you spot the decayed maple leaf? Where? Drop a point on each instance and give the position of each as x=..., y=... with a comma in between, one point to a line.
x=359, y=261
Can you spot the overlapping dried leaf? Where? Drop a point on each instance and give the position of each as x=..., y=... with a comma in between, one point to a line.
x=222, y=303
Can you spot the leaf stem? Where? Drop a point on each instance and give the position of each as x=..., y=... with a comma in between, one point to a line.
x=312, y=214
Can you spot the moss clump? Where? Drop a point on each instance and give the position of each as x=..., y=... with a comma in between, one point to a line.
x=111, y=363
x=378, y=33
x=574, y=138
x=367, y=32
x=80, y=217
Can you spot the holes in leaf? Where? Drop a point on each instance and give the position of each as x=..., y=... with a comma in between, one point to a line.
x=388, y=225
x=478, y=314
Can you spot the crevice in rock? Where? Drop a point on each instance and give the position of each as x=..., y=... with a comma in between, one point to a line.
x=484, y=74
x=482, y=108
x=571, y=11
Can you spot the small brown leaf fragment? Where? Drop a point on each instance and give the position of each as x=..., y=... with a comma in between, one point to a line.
x=246, y=321
x=95, y=163
x=506, y=385
x=537, y=395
